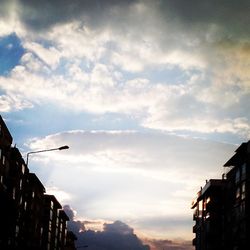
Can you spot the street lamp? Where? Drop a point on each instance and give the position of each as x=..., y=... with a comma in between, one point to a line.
x=45, y=150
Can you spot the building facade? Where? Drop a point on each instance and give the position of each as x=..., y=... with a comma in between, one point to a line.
x=31, y=219
x=222, y=207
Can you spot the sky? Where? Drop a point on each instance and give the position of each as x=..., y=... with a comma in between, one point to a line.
x=152, y=97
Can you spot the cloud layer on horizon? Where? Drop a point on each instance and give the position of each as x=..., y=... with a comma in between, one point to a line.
x=157, y=165
x=116, y=235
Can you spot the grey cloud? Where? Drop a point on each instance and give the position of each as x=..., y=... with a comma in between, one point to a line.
x=43, y=14
x=5, y=7
x=69, y=212
x=118, y=227
x=120, y=236
x=73, y=225
x=232, y=16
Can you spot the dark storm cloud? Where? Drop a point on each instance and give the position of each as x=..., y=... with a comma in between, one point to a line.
x=4, y=7
x=232, y=17
x=229, y=15
x=38, y=14
x=73, y=225
x=115, y=236
x=118, y=227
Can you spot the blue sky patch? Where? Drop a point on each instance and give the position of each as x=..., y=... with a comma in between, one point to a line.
x=11, y=51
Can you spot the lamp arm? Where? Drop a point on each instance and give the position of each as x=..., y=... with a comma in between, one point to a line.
x=45, y=150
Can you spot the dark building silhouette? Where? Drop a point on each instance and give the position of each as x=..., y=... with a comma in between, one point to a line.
x=70, y=241
x=53, y=223
x=30, y=219
x=222, y=207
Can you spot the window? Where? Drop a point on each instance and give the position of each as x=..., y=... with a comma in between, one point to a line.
x=20, y=184
x=50, y=225
x=14, y=193
x=49, y=236
x=204, y=205
x=208, y=199
x=21, y=200
x=243, y=171
x=17, y=230
x=3, y=160
x=25, y=205
x=238, y=193
x=243, y=190
x=52, y=205
x=50, y=214
x=23, y=168
x=237, y=176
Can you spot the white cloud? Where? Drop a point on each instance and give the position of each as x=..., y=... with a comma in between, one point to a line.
x=128, y=174
x=62, y=196
x=159, y=106
x=82, y=69
x=139, y=153
x=50, y=56
x=196, y=123
x=76, y=41
x=13, y=102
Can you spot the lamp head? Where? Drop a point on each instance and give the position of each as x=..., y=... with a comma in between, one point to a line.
x=63, y=147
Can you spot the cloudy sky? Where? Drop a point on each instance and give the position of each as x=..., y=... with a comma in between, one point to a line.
x=152, y=98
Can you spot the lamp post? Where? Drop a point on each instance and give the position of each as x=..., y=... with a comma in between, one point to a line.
x=44, y=150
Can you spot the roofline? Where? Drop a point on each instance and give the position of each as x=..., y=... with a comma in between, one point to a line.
x=53, y=198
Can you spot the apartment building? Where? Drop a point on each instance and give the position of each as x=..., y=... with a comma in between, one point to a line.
x=31, y=219
x=238, y=198
x=208, y=215
x=222, y=207
x=54, y=224
x=6, y=201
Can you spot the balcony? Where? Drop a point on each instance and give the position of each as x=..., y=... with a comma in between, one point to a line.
x=194, y=229
x=193, y=203
x=194, y=242
x=194, y=216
